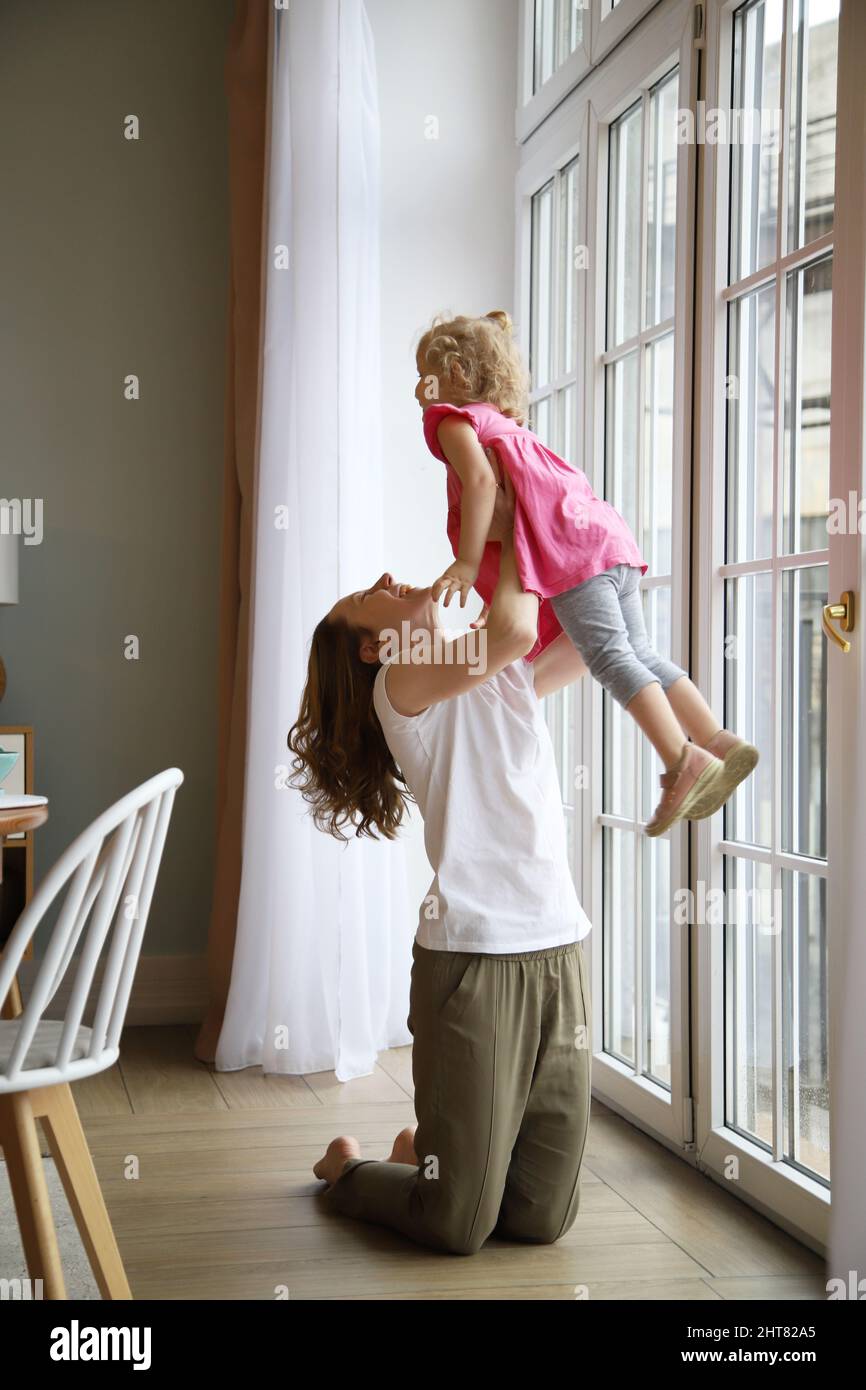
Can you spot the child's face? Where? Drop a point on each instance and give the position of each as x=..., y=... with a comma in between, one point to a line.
x=431, y=388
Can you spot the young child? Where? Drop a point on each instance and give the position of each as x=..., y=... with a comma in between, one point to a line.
x=573, y=550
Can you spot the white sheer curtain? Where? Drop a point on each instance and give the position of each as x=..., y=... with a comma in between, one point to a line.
x=321, y=968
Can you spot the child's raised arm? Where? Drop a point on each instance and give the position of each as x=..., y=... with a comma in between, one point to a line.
x=463, y=451
x=511, y=632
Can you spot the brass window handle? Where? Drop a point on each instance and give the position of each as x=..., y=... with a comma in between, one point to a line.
x=844, y=611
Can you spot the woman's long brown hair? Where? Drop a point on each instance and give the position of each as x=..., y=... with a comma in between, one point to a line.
x=342, y=765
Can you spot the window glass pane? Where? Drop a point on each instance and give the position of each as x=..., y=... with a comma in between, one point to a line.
x=568, y=423
x=621, y=437
x=656, y=963
x=624, y=245
x=812, y=149
x=750, y=391
x=657, y=616
x=756, y=103
x=806, y=1096
x=661, y=201
x=576, y=10
x=569, y=29
x=567, y=258
x=748, y=701
x=806, y=457
x=657, y=496
x=541, y=325
x=618, y=947
x=804, y=711
x=566, y=754
x=569, y=833
x=545, y=42
x=558, y=31
x=541, y=420
x=749, y=998
x=620, y=752
x=559, y=712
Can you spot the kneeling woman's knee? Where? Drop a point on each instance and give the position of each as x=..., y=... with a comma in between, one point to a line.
x=460, y=1234
x=540, y=1231
x=458, y=1246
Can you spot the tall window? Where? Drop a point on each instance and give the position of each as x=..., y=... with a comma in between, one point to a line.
x=777, y=500
x=555, y=265
x=638, y=365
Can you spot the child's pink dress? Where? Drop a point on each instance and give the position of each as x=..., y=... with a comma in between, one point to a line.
x=563, y=532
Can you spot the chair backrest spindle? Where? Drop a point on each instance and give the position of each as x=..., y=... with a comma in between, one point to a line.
x=108, y=875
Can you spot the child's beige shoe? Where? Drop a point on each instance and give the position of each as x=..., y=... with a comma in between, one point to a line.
x=689, y=790
x=735, y=753
x=738, y=757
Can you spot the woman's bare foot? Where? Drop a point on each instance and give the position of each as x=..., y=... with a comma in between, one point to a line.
x=338, y=1152
x=404, y=1147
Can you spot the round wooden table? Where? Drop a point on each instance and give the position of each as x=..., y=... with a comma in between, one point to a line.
x=17, y=821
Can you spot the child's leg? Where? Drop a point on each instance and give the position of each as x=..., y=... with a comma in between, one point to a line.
x=607, y=629
x=651, y=711
x=688, y=704
x=692, y=710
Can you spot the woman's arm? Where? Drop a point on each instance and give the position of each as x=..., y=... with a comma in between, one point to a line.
x=558, y=665
x=463, y=451
x=510, y=633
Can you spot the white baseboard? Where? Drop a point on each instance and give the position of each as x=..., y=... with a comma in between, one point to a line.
x=166, y=989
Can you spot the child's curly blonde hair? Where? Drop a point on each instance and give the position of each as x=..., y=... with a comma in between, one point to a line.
x=477, y=359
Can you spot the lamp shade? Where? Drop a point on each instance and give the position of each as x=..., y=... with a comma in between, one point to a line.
x=8, y=558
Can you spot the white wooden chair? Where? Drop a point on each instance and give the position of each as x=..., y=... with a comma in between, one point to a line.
x=107, y=876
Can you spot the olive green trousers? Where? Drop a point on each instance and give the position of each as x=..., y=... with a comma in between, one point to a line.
x=501, y=1064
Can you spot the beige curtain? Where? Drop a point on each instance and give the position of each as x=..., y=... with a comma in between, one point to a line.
x=247, y=69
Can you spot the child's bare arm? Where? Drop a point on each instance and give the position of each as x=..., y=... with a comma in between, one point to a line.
x=463, y=451
x=502, y=525
x=511, y=631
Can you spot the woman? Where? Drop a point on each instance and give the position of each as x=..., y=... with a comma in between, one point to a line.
x=499, y=998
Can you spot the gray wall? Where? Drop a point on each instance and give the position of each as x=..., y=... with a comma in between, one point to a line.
x=114, y=259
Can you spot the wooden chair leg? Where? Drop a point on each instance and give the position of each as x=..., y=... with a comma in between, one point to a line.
x=59, y=1115
x=20, y=1140
x=12, y=1006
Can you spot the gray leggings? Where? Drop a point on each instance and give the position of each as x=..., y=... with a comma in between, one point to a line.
x=603, y=616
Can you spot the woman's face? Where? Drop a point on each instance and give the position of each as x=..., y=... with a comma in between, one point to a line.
x=383, y=608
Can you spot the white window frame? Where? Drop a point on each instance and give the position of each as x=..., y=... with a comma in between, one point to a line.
x=610, y=26
x=796, y=1202
x=790, y=1197
x=580, y=125
x=533, y=107
x=603, y=29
